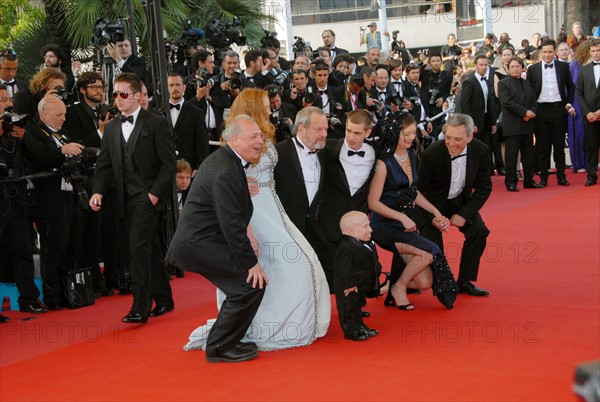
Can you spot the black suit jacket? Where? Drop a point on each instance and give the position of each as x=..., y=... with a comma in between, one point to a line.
x=341, y=95
x=81, y=125
x=153, y=156
x=211, y=235
x=563, y=77
x=191, y=137
x=516, y=97
x=410, y=92
x=290, y=187
x=588, y=94
x=435, y=173
x=136, y=65
x=43, y=155
x=336, y=199
x=356, y=265
x=472, y=101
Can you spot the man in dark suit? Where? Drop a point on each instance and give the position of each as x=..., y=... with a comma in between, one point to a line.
x=478, y=101
x=191, y=139
x=412, y=92
x=9, y=65
x=351, y=96
x=138, y=154
x=54, y=208
x=299, y=180
x=252, y=76
x=125, y=62
x=454, y=175
x=222, y=94
x=553, y=87
x=212, y=239
x=328, y=37
x=588, y=95
x=435, y=88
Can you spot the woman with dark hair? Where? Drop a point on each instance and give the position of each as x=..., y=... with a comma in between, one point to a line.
x=518, y=103
x=576, y=136
x=392, y=198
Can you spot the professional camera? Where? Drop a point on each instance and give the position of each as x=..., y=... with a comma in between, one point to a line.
x=112, y=111
x=106, y=31
x=309, y=96
x=11, y=119
x=76, y=171
x=377, y=106
x=298, y=46
x=235, y=82
x=203, y=78
x=433, y=93
x=282, y=77
x=282, y=130
x=64, y=95
x=221, y=36
x=269, y=39
x=189, y=35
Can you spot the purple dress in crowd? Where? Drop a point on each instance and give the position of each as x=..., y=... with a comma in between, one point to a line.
x=576, y=135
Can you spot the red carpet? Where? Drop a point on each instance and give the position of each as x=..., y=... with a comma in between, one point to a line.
x=521, y=343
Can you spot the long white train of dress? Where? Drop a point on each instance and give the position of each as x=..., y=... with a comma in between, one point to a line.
x=296, y=307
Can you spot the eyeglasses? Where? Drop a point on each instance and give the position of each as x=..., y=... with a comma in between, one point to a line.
x=98, y=88
x=124, y=95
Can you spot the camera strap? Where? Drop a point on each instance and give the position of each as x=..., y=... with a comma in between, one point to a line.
x=56, y=136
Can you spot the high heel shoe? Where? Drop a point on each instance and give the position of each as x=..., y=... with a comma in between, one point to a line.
x=391, y=302
x=387, y=279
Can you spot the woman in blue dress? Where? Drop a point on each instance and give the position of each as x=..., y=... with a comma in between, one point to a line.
x=392, y=197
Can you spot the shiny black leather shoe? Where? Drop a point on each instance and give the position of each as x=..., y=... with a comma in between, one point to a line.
x=247, y=346
x=512, y=188
x=468, y=288
x=501, y=172
x=159, y=310
x=233, y=355
x=532, y=184
x=370, y=331
x=543, y=182
x=590, y=182
x=33, y=308
x=563, y=182
x=358, y=335
x=134, y=318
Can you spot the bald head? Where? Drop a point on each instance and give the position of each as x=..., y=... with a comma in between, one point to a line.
x=356, y=224
x=52, y=112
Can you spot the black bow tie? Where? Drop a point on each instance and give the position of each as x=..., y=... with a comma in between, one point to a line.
x=359, y=153
x=11, y=84
x=596, y=63
x=177, y=106
x=127, y=119
x=483, y=79
x=247, y=165
x=458, y=156
x=548, y=66
x=323, y=92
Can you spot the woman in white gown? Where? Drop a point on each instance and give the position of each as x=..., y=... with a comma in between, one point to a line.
x=296, y=308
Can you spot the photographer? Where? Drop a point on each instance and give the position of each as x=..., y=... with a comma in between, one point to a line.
x=15, y=240
x=300, y=94
x=55, y=210
x=283, y=114
x=47, y=81
x=125, y=62
x=435, y=88
x=412, y=92
x=228, y=87
x=451, y=53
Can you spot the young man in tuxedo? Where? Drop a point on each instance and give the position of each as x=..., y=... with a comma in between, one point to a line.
x=299, y=180
x=588, y=95
x=138, y=155
x=9, y=65
x=554, y=89
x=454, y=175
x=212, y=239
x=191, y=138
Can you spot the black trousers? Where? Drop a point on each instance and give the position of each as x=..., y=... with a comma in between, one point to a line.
x=475, y=233
x=514, y=144
x=592, y=144
x=349, y=310
x=550, y=126
x=15, y=245
x=493, y=143
x=114, y=244
x=147, y=277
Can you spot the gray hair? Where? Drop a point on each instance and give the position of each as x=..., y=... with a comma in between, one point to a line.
x=231, y=53
x=459, y=119
x=46, y=100
x=304, y=117
x=234, y=128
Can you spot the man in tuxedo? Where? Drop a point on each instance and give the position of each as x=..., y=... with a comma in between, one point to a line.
x=329, y=38
x=395, y=70
x=138, y=155
x=54, y=205
x=553, y=87
x=349, y=168
x=255, y=75
x=125, y=62
x=478, y=101
x=299, y=180
x=9, y=65
x=351, y=96
x=412, y=92
x=454, y=175
x=191, y=139
x=212, y=239
x=325, y=98
x=588, y=95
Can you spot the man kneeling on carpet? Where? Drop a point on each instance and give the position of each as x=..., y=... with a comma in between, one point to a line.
x=356, y=273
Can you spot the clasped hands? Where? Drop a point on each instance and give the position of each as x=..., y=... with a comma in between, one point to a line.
x=443, y=224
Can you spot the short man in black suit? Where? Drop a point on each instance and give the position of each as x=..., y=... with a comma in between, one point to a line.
x=138, y=155
x=125, y=62
x=588, y=95
x=191, y=139
x=454, y=175
x=553, y=87
x=299, y=180
x=478, y=101
x=212, y=239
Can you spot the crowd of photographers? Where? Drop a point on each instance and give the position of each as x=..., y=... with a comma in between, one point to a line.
x=52, y=129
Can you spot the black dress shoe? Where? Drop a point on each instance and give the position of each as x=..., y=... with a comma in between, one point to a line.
x=365, y=313
x=563, y=182
x=532, y=184
x=469, y=289
x=247, y=346
x=233, y=355
x=501, y=172
x=543, y=182
x=33, y=308
x=512, y=188
x=358, y=335
x=55, y=306
x=134, y=318
x=160, y=310
x=369, y=331
x=590, y=182
x=3, y=319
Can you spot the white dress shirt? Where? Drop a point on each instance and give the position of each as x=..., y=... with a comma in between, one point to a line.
x=356, y=168
x=174, y=111
x=484, y=88
x=311, y=169
x=549, y=92
x=127, y=127
x=459, y=174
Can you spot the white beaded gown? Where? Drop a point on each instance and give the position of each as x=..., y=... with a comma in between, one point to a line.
x=296, y=307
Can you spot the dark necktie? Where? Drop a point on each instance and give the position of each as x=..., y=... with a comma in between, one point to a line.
x=127, y=119
x=359, y=153
x=368, y=245
x=548, y=66
x=458, y=156
x=177, y=106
